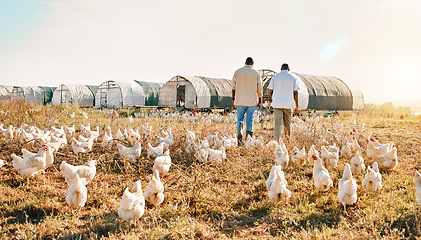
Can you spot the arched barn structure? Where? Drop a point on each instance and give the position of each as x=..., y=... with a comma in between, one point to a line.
x=324, y=93
x=113, y=94
x=151, y=92
x=5, y=92
x=35, y=94
x=196, y=92
x=83, y=95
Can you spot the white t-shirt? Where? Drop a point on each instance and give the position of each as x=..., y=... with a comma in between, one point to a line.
x=283, y=85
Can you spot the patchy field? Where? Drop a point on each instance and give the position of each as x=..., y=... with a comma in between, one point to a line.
x=203, y=200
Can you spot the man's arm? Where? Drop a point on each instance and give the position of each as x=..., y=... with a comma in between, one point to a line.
x=296, y=102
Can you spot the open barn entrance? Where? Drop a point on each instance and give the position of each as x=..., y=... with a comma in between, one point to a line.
x=181, y=95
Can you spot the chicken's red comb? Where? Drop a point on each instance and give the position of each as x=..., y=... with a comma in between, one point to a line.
x=314, y=156
x=353, y=130
x=372, y=139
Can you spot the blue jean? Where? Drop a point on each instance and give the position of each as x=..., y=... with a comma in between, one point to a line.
x=248, y=112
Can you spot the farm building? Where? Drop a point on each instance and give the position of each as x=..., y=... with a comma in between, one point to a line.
x=196, y=92
x=113, y=94
x=151, y=92
x=36, y=94
x=321, y=92
x=5, y=92
x=83, y=95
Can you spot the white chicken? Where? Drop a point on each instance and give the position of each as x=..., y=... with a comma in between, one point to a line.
x=169, y=140
x=203, y=151
x=80, y=146
x=217, y=156
x=155, y=190
x=2, y=162
x=357, y=163
x=69, y=130
x=389, y=160
x=119, y=135
x=154, y=152
x=272, y=144
x=106, y=139
x=298, y=157
x=281, y=155
x=276, y=185
x=190, y=136
x=311, y=152
x=77, y=193
x=133, y=136
x=163, y=163
x=132, y=205
x=32, y=164
x=9, y=133
x=330, y=158
x=347, y=194
x=321, y=176
x=373, y=179
x=346, y=151
x=417, y=179
x=130, y=152
x=375, y=152
x=85, y=172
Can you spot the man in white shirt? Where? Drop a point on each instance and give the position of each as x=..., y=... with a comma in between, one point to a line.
x=247, y=87
x=283, y=88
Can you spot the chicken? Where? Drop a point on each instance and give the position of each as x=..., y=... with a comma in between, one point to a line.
x=133, y=136
x=77, y=193
x=69, y=130
x=229, y=142
x=32, y=164
x=346, y=151
x=373, y=179
x=131, y=152
x=203, y=151
x=217, y=156
x=355, y=146
x=311, y=152
x=281, y=155
x=163, y=163
x=154, y=152
x=357, y=163
x=276, y=185
x=85, y=172
x=272, y=144
x=322, y=141
x=190, y=136
x=9, y=133
x=250, y=143
x=418, y=187
x=375, y=152
x=81, y=147
x=380, y=145
x=2, y=162
x=330, y=158
x=321, y=176
x=119, y=135
x=155, y=190
x=132, y=205
x=347, y=194
x=106, y=139
x=389, y=160
x=169, y=140
x=298, y=157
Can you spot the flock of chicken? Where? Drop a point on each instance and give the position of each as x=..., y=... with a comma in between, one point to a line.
x=211, y=149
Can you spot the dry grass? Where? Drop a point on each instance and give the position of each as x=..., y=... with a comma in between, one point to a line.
x=201, y=200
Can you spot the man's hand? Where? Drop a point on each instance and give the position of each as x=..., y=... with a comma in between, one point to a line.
x=296, y=110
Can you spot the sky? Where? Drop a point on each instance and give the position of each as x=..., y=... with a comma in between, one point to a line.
x=375, y=44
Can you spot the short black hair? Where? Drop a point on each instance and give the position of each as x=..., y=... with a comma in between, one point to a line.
x=249, y=61
x=285, y=66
